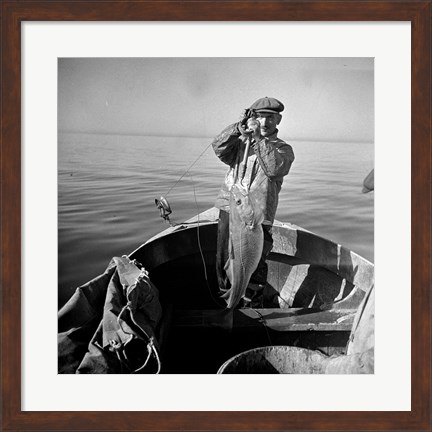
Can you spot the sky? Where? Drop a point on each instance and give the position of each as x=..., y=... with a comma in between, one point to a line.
x=326, y=99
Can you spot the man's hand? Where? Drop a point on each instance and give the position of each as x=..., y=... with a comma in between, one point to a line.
x=253, y=125
x=242, y=126
x=249, y=127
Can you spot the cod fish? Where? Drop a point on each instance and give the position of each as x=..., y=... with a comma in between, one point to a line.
x=245, y=243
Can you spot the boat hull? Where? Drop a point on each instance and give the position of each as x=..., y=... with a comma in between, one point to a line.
x=314, y=290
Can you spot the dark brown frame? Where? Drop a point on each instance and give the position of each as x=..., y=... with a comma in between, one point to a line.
x=418, y=12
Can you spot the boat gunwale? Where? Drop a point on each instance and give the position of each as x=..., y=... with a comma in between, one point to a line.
x=210, y=217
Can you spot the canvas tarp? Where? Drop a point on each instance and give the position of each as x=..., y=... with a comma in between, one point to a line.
x=110, y=324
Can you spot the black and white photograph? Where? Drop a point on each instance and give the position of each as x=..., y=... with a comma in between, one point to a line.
x=216, y=215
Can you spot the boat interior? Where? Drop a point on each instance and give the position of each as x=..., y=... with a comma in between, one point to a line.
x=313, y=292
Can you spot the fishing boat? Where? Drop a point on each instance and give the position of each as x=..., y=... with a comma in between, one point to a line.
x=315, y=296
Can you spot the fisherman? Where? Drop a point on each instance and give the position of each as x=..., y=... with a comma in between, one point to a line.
x=269, y=160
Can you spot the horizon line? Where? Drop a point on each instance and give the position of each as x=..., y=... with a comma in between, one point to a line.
x=136, y=134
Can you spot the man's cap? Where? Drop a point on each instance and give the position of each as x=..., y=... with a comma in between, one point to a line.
x=268, y=104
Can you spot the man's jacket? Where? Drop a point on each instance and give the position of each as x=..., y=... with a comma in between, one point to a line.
x=269, y=160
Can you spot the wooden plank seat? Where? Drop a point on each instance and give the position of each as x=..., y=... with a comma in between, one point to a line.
x=283, y=320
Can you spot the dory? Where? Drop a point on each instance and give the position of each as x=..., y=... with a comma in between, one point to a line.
x=245, y=243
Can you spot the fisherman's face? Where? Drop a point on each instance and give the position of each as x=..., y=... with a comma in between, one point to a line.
x=268, y=122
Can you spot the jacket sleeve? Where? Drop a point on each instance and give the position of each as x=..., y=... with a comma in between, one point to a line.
x=275, y=160
x=227, y=144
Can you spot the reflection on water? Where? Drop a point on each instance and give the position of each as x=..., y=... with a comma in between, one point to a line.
x=107, y=185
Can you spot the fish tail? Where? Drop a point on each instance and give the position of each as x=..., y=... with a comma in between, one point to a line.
x=225, y=295
x=232, y=298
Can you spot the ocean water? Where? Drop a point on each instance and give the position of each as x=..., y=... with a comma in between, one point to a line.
x=107, y=185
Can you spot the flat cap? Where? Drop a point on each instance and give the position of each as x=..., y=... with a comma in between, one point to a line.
x=268, y=104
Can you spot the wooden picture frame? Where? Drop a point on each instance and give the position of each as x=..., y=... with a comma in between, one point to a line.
x=14, y=12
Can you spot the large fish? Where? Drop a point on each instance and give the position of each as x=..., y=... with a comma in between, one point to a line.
x=246, y=241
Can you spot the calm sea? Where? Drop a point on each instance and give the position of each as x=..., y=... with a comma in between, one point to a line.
x=107, y=185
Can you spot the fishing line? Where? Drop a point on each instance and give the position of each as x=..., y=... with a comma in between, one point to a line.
x=199, y=244
x=165, y=210
x=162, y=203
x=193, y=163
x=199, y=157
x=198, y=230
x=263, y=322
x=279, y=295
